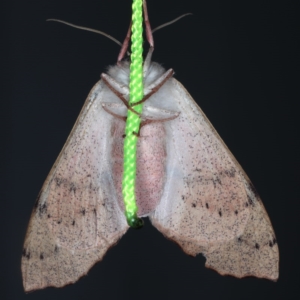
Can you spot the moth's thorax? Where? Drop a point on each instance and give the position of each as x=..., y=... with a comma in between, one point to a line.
x=151, y=154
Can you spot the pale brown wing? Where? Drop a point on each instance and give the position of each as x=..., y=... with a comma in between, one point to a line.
x=76, y=218
x=209, y=205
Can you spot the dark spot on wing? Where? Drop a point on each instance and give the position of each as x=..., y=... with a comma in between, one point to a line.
x=83, y=211
x=230, y=173
x=73, y=223
x=257, y=246
x=236, y=212
x=220, y=213
x=207, y=206
x=72, y=187
x=89, y=175
x=182, y=197
x=58, y=181
x=42, y=209
x=250, y=201
x=272, y=243
x=59, y=221
x=42, y=256
x=94, y=210
x=253, y=189
x=93, y=188
x=36, y=204
x=49, y=216
x=193, y=205
x=240, y=239
x=27, y=255
x=56, y=249
x=215, y=181
x=246, y=204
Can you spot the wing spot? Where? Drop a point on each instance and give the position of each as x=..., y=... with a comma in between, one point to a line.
x=218, y=180
x=59, y=221
x=42, y=209
x=236, y=212
x=72, y=187
x=240, y=239
x=220, y=213
x=73, y=223
x=250, y=201
x=254, y=191
x=193, y=205
x=42, y=256
x=58, y=181
x=36, y=204
x=230, y=173
x=83, y=211
x=257, y=246
x=56, y=249
x=28, y=255
x=272, y=243
x=207, y=206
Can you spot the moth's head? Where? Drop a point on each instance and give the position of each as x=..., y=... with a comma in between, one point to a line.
x=121, y=71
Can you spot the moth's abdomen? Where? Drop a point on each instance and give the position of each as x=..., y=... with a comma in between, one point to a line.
x=151, y=157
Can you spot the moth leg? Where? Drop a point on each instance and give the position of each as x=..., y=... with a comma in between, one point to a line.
x=156, y=85
x=123, y=119
x=128, y=35
x=147, y=26
x=114, y=114
x=148, y=121
x=116, y=88
x=125, y=45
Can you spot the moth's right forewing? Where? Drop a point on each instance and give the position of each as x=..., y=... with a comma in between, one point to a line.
x=209, y=205
x=76, y=218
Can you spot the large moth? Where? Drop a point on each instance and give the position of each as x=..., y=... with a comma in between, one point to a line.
x=188, y=183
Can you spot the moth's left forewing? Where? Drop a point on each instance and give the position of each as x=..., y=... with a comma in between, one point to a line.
x=76, y=218
x=209, y=205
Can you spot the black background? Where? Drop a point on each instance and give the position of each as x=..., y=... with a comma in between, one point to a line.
x=238, y=59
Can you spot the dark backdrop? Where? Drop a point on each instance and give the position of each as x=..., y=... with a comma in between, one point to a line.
x=238, y=59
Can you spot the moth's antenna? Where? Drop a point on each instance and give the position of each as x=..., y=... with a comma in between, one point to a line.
x=171, y=22
x=111, y=37
x=87, y=29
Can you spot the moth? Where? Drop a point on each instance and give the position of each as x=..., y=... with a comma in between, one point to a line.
x=188, y=183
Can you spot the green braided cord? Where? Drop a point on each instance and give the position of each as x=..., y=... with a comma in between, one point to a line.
x=133, y=121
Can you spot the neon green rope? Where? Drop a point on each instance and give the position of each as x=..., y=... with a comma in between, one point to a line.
x=133, y=121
